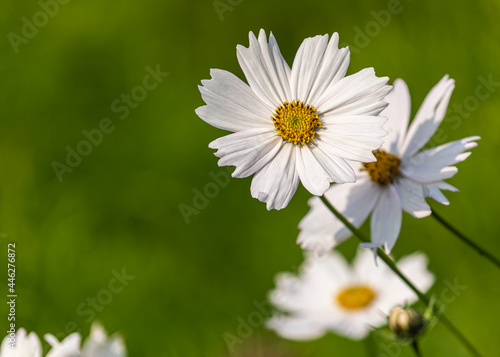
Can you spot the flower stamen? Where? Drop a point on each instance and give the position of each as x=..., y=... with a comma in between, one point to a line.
x=384, y=170
x=356, y=297
x=296, y=122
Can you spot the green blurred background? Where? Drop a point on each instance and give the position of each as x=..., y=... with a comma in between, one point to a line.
x=119, y=208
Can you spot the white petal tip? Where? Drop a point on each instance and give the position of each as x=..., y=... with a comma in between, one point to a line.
x=421, y=214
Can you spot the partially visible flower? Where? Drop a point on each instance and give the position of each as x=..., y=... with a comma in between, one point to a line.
x=24, y=345
x=294, y=124
x=98, y=344
x=69, y=347
x=401, y=179
x=330, y=295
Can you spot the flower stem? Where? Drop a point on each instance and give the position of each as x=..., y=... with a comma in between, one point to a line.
x=466, y=240
x=390, y=263
x=414, y=345
x=371, y=346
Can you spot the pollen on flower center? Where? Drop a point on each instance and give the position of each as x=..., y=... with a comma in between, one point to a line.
x=384, y=170
x=296, y=122
x=356, y=297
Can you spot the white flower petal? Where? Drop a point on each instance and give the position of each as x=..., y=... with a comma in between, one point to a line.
x=360, y=93
x=311, y=173
x=306, y=292
x=412, y=197
x=354, y=136
x=414, y=266
x=444, y=186
x=318, y=64
x=338, y=169
x=321, y=230
x=428, y=117
x=305, y=66
x=398, y=117
x=69, y=347
x=231, y=104
x=27, y=345
x=317, y=168
x=433, y=164
x=319, y=269
x=433, y=190
x=296, y=328
x=425, y=174
x=349, y=147
x=332, y=68
x=386, y=220
x=248, y=150
x=265, y=69
x=276, y=182
x=396, y=292
x=367, y=270
x=352, y=125
x=100, y=345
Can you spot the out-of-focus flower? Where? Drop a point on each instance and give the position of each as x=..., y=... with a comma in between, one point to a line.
x=69, y=347
x=330, y=295
x=98, y=344
x=23, y=345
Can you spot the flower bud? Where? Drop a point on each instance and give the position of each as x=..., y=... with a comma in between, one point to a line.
x=405, y=322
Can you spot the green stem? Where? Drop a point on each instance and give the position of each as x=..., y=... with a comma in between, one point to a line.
x=371, y=346
x=416, y=349
x=390, y=263
x=466, y=240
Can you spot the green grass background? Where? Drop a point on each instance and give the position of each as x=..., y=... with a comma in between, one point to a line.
x=120, y=207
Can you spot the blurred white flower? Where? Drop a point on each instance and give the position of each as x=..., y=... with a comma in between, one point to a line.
x=69, y=347
x=401, y=178
x=98, y=344
x=330, y=295
x=25, y=345
x=294, y=124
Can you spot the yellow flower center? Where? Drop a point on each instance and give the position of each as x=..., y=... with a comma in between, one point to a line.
x=355, y=297
x=296, y=122
x=384, y=170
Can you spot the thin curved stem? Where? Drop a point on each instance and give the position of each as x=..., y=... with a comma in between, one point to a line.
x=466, y=240
x=390, y=263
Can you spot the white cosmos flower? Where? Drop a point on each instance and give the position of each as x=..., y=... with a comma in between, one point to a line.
x=294, y=124
x=25, y=345
x=330, y=295
x=401, y=179
x=98, y=344
x=69, y=347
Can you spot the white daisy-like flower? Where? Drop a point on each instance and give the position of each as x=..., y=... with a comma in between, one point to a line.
x=330, y=295
x=98, y=344
x=297, y=124
x=26, y=345
x=69, y=347
x=401, y=179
